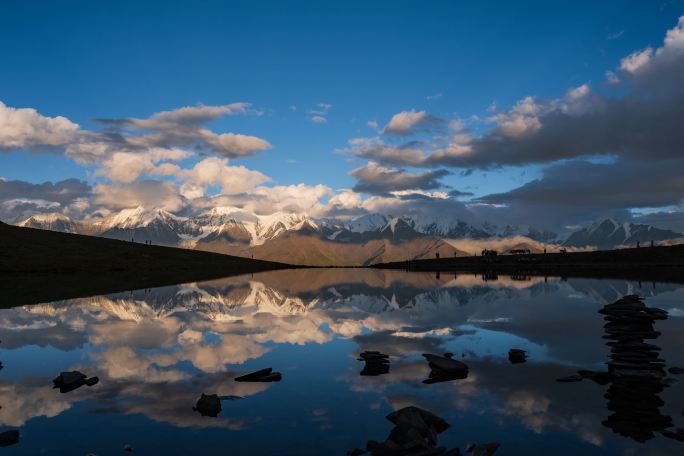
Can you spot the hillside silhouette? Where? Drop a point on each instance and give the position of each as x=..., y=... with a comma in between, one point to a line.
x=39, y=265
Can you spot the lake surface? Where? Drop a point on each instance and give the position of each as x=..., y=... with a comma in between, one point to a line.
x=156, y=351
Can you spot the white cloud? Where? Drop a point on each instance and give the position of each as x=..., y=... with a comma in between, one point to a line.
x=149, y=194
x=612, y=78
x=129, y=166
x=25, y=128
x=216, y=171
x=636, y=60
x=406, y=122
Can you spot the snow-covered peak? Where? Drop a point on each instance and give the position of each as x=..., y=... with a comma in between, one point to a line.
x=53, y=221
x=47, y=218
x=391, y=224
x=137, y=217
x=368, y=222
x=603, y=221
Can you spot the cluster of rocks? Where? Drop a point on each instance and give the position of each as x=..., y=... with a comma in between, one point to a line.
x=263, y=375
x=415, y=433
x=69, y=381
x=376, y=363
x=445, y=368
x=636, y=371
x=636, y=374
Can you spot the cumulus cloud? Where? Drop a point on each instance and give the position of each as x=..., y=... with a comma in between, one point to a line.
x=19, y=200
x=179, y=128
x=408, y=122
x=216, y=171
x=147, y=193
x=578, y=191
x=63, y=192
x=25, y=128
x=409, y=154
x=376, y=179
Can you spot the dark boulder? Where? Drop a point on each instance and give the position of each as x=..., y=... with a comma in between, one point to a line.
x=208, y=405
x=443, y=369
x=69, y=381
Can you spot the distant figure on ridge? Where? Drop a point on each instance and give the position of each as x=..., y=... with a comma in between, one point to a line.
x=437, y=255
x=638, y=244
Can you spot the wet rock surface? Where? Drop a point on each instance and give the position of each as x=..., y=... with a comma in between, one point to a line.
x=263, y=375
x=69, y=381
x=444, y=368
x=376, y=363
x=208, y=405
x=517, y=356
x=483, y=449
x=415, y=433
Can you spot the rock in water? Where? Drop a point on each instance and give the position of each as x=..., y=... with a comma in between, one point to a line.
x=208, y=405
x=444, y=369
x=415, y=432
x=376, y=363
x=69, y=381
x=8, y=438
x=263, y=375
x=485, y=449
x=446, y=365
x=517, y=356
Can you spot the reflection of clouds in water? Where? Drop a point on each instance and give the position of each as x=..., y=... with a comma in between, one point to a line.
x=23, y=402
x=157, y=351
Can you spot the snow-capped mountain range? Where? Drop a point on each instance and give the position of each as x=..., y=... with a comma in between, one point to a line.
x=606, y=233
x=226, y=222
x=299, y=238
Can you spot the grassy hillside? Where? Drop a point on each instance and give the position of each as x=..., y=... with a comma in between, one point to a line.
x=39, y=266
x=647, y=263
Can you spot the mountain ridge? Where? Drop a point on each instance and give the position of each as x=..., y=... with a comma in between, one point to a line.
x=360, y=241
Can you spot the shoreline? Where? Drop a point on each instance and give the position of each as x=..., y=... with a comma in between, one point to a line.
x=658, y=264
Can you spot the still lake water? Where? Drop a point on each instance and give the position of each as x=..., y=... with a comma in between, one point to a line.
x=155, y=351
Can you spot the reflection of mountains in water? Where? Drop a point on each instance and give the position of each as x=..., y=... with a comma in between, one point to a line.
x=229, y=299
x=298, y=291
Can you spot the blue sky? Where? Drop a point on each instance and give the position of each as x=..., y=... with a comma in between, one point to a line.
x=367, y=60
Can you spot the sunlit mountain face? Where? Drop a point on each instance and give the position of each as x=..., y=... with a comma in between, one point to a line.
x=297, y=238
x=156, y=351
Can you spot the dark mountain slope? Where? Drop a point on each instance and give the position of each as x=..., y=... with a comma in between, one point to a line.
x=39, y=265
